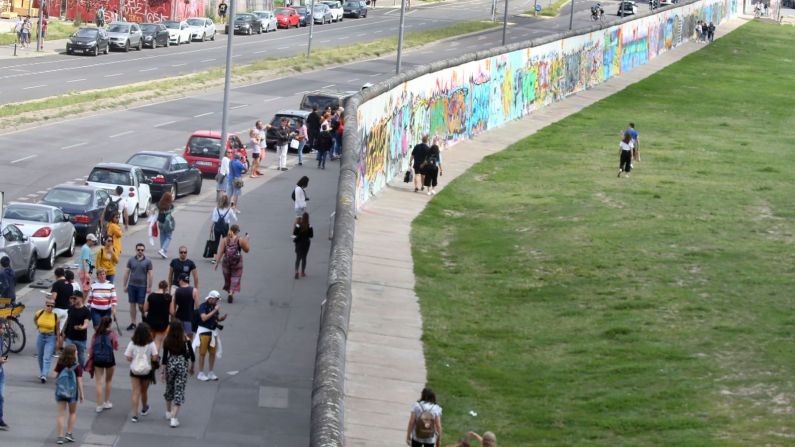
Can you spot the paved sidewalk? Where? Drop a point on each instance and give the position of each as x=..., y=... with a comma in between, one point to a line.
x=50, y=47
x=385, y=369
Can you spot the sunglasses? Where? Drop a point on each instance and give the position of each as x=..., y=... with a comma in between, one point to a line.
x=140, y=249
x=183, y=252
x=48, y=305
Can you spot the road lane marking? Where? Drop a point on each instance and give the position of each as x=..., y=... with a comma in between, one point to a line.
x=325, y=41
x=73, y=145
x=78, y=80
x=269, y=99
x=22, y=198
x=328, y=86
x=35, y=86
x=41, y=192
x=203, y=114
x=147, y=69
x=165, y=124
x=375, y=74
x=23, y=159
x=113, y=75
x=353, y=80
x=238, y=107
x=121, y=134
x=282, y=48
x=179, y=65
x=261, y=51
x=207, y=60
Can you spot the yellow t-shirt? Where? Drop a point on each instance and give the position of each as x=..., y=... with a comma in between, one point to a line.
x=107, y=260
x=46, y=322
x=114, y=231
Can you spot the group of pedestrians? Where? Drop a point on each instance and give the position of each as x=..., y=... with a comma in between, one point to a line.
x=426, y=165
x=628, y=150
x=705, y=32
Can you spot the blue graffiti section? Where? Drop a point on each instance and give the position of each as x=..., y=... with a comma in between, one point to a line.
x=460, y=102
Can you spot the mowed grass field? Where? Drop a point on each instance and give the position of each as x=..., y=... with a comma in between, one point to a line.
x=568, y=307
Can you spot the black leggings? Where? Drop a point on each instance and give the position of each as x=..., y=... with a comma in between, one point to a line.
x=625, y=164
x=301, y=251
x=415, y=443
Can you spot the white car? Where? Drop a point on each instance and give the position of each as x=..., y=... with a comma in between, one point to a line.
x=178, y=32
x=337, y=12
x=268, y=20
x=46, y=226
x=135, y=187
x=201, y=28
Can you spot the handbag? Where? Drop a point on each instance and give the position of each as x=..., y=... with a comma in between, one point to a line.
x=238, y=182
x=407, y=177
x=209, y=248
x=294, y=144
x=154, y=229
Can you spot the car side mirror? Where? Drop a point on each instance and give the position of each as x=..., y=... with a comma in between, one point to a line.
x=67, y=218
x=24, y=238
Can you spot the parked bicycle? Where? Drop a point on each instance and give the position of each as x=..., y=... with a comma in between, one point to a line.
x=13, y=338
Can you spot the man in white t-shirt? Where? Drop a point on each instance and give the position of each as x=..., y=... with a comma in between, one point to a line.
x=220, y=178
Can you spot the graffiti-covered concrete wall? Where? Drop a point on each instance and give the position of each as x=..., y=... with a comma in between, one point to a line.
x=462, y=101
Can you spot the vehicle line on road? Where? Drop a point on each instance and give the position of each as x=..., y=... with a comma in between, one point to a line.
x=24, y=158
x=121, y=134
x=113, y=75
x=179, y=65
x=77, y=80
x=73, y=145
x=34, y=86
x=147, y=69
x=207, y=60
x=201, y=115
x=165, y=124
x=238, y=107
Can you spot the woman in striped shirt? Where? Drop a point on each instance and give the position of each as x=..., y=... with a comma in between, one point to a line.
x=102, y=298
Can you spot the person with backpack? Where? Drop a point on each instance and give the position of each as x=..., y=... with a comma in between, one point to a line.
x=46, y=322
x=178, y=363
x=425, y=421
x=107, y=258
x=299, y=196
x=222, y=217
x=231, y=256
x=8, y=279
x=418, y=154
x=116, y=204
x=75, y=330
x=302, y=237
x=432, y=169
x=156, y=310
x=165, y=222
x=68, y=391
x=184, y=305
x=142, y=354
x=208, y=334
x=102, y=362
x=113, y=231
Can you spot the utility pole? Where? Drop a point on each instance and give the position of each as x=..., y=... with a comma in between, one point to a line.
x=311, y=28
x=230, y=34
x=41, y=16
x=571, y=16
x=400, y=35
x=505, y=22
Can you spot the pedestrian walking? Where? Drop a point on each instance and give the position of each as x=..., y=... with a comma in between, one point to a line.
x=27, y=29
x=182, y=265
x=431, y=169
x=698, y=31
x=43, y=25
x=46, y=322
x=107, y=258
x=711, y=31
x=137, y=283
x=184, y=304
x=208, y=335
x=157, y=309
x=254, y=145
x=18, y=28
x=86, y=266
x=3, y=361
x=74, y=331
x=221, y=178
x=178, y=363
x=488, y=439
x=165, y=223
x=230, y=255
x=634, y=137
x=283, y=136
x=704, y=30
x=68, y=391
x=299, y=196
x=338, y=128
x=8, y=279
x=116, y=204
x=114, y=232
x=625, y=156
x=323, y=143
x=236, y=171
x=60, y=292
x=312, y=127
x=302, y=237
x=99, y=17
x=425, y=421
x=222, y=7
x=102, y=299
x=222, y=217
x=301, y=136
x=102, y=362
x=418, y=154
x=142, y=354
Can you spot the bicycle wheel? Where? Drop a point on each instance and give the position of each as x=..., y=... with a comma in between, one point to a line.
x=4, y=343
x=16, y=335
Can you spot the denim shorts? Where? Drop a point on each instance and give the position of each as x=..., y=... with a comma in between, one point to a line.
x=136, y=294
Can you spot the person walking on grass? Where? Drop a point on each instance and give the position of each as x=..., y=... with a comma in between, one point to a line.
x=75, y=330
x=299, y=196
x=208, y=336
x=137, y=283
x=625, y=156
x=157, y=309
x=302, y=237
x=102, y=299
x=107, y=259
x=178, y=363
x=425, y=421
x=256, y=151
x=416, y=160
x=230, y=255
x=102, y=362
x=142, y=354
x=68, y=392
x=3, y=361
x=222, y=217
x=182, y=266
x=46, y=322
x=634, y=137
x=165, y=223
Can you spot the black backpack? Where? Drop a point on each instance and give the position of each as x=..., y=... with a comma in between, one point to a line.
x=220, y=225
x=102, y=350
x=112, y=207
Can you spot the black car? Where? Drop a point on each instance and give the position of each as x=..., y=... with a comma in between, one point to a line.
x=155, y=35
x=167, y=172
x=83, y=206
x=292, y=116
x=304, y=15
x=355, y=8
x=88, y=41
x=324, y=98
x=246, y=24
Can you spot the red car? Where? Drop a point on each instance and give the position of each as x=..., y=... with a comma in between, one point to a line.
x=287, y=17
x=204, y=148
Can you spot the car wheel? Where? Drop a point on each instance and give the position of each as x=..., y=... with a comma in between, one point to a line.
x=68, y=51
x=140, y=45
x=107, y=48
x=127, y=46
x=71, y=250
x=96, y=51
x=198, y=188
x=174, y=190
x=30, y=273
x=179, y=41
x=133, y=218
x=213, y=37
x=49, y=262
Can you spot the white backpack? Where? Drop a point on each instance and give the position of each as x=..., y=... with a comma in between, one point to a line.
x=141, y=364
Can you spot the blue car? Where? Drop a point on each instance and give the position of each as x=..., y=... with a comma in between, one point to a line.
x=304, y=15
x=83, y=206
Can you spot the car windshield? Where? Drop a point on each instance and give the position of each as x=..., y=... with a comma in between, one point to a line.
x=26, y=213
x=148, y=28
x=86, y=32
x=244, y=18
x=119, y=28
x=172, y=25
x=351, y=4
x=196, y=22
x=277, y=121
x=68, y=197
x=301, y=10
x=111, y=176
x=320, y=101
x=319, y=8
x=204, y=147
x=284, y=11
x=148, y=161
x=262, y=14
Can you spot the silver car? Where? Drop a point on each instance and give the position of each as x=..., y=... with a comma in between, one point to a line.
x=268, y=20
x=201, y=28
x=125, y=35
x=20, y=250
x=46, y=226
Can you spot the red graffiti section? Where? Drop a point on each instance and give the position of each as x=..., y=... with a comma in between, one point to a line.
x=152, y=11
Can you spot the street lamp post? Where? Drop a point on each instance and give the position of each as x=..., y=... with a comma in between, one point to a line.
x=571, y=16
x=230, y=32
x=38, y=34
x=311, y=27
x=505, y=22
x=400, y=35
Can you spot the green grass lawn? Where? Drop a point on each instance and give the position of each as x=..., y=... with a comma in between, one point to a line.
x=56, y=29
x=568, y=307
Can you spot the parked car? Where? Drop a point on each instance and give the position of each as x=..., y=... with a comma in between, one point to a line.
x=82, y=205
x=125, y=35
x=286, y=17
x=155, y=35
x=322, y=14
x=178, y=32
x=204, y=148
x=246, y=24
x=201, y=28
x=324, y=98
x=268, y=20
x=21, y=251
x=629, y=8
x=45, y=225
x=336, y=9
x=292, y=116
x=304, y=15
x=167, y=172
x=355, y=8
x=131, y=178
x=88, y=41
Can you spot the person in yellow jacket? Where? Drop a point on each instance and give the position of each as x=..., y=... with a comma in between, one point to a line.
x=47, y=324
x=114, y=231
x=107, y=258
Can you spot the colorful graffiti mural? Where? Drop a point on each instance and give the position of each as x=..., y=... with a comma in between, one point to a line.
x=460, y=102
x=151, y=11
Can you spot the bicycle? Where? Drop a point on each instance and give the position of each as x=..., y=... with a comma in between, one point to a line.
x=13, y=338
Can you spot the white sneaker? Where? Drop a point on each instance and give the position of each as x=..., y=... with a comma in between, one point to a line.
x=168, y=415
x=99, y=408
x=162, y=253
x=174, y=422
x=107, y=405
x=201, y=376
x=212, y=376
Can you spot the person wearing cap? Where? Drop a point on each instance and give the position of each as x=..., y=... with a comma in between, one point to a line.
x=236, y=171
x=47, y=324
x=107, y=258
x=208, y=339
x=86, y=267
